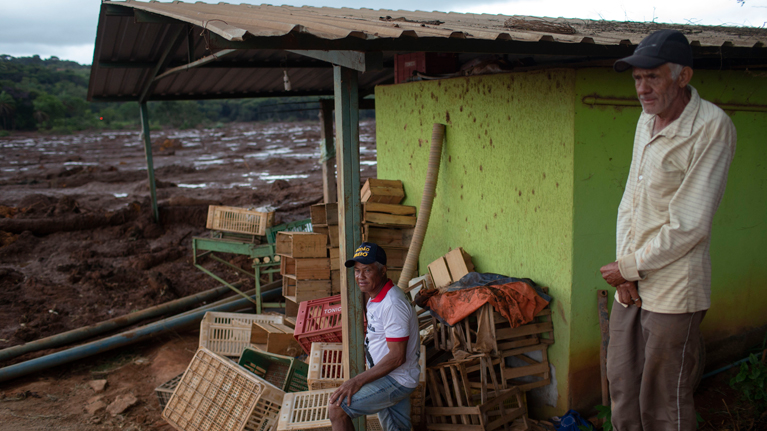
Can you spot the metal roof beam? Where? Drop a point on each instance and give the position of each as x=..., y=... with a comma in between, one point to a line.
x=217, y=96
x=359, y=61
x=200, y=62
x=224, y=64
x=118, y=10
x=295, y=41
x=145, y=17
x=176, y=36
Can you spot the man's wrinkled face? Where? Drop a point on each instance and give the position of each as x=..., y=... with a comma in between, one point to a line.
x=368, y=277
x=656, y=89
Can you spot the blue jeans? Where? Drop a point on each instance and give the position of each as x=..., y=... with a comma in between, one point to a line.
x=387, y=398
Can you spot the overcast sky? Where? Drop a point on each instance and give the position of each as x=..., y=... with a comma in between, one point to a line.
x=67, y=28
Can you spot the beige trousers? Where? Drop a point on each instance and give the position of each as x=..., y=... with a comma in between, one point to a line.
x=650, y=361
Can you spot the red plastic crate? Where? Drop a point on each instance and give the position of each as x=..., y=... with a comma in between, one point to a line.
x=318, y=320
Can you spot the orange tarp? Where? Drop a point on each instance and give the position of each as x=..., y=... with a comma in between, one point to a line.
x=516, y=301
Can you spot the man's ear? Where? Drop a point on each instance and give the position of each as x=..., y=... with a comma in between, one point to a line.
x=685, y=76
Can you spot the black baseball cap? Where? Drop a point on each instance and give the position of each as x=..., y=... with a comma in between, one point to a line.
x=660, y=47
x=366, y=254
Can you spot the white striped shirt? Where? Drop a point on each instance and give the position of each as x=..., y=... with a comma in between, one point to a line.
x=675, y=184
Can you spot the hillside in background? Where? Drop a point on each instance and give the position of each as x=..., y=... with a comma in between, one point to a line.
x=50, y=95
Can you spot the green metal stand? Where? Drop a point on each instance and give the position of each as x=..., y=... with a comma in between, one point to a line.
x=245, y=245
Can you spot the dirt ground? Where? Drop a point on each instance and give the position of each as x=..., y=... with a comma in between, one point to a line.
x=78, y=246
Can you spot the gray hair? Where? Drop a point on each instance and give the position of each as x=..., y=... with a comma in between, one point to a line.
x=380, y=267
x=676, y=70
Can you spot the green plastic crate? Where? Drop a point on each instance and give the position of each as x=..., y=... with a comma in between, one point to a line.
x=288, y=374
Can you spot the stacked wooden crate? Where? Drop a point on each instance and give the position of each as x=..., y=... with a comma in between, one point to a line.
x=387, y=223
x=325, y=222
x=304, y=266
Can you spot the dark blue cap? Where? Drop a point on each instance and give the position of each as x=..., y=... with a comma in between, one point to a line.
x=366, y=254
x=660, y=47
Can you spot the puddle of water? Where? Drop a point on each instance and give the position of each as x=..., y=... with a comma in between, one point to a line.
x=120, y=195
x=193, y=186
x=368, y=162
x=272, y=178
x=80, y=164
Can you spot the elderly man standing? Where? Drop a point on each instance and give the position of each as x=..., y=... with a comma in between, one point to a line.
x=682, y=151
x=392, y=347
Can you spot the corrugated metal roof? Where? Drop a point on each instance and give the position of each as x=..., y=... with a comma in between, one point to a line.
x=127, y=46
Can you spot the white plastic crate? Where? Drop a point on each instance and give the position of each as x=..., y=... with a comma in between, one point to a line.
x=309, y=411
x=228, y=334
x=216, y=394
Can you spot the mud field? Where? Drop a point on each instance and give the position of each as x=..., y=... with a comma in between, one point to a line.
x=78, y=246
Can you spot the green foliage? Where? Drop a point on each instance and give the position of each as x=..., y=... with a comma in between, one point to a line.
x=751, y=381
x=51, y=94
x=606, y=413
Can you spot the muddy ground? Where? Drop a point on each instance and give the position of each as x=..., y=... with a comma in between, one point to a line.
x=78, y=245
x=112, y=258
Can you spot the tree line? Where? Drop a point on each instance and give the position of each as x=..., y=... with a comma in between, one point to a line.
x=50, y=95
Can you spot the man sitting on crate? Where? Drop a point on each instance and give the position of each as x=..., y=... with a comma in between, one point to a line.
x=392, y=347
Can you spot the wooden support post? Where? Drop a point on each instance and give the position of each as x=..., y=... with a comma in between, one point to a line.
x=149, y=163
x=348, y=158
x=328, y=152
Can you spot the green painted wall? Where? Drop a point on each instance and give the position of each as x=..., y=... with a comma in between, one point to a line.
x=603, y=143
x=505, y=183
x=530, y=183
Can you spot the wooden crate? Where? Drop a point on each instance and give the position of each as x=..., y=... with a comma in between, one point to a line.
x=239, y=220
x=304, y=290
x=335, y=282
x=274, y=338
x=381, y=214
x=309, y=411
x=395, y=256
x=216, y=394
x=291, y=309
x=324, y=214
x=384, y=191
x=331, y=232
x=459, y=263
x=325, y=366
x=228, y=334
x=305, y=269
x=462, y=403
x=439, y=272
x=300, y=244
x=334, y=253
x=387, y=237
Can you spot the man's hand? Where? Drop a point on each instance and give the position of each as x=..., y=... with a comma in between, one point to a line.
x=628, y=294
x=612, y=274
x=346, y=390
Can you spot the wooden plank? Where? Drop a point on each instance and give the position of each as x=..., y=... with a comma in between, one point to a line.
x=390, y=219
x=522, y=350
x=518, y=343
x=335, y=282
x=528, y=370
x=453, y=427
x=331, y=213
x=440, y=274
x=378, y=207
x=448, y=411
x=521, y=331
x=334, y=237
x=328, y=151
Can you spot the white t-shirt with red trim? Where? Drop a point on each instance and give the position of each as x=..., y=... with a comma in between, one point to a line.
x=392, y=318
